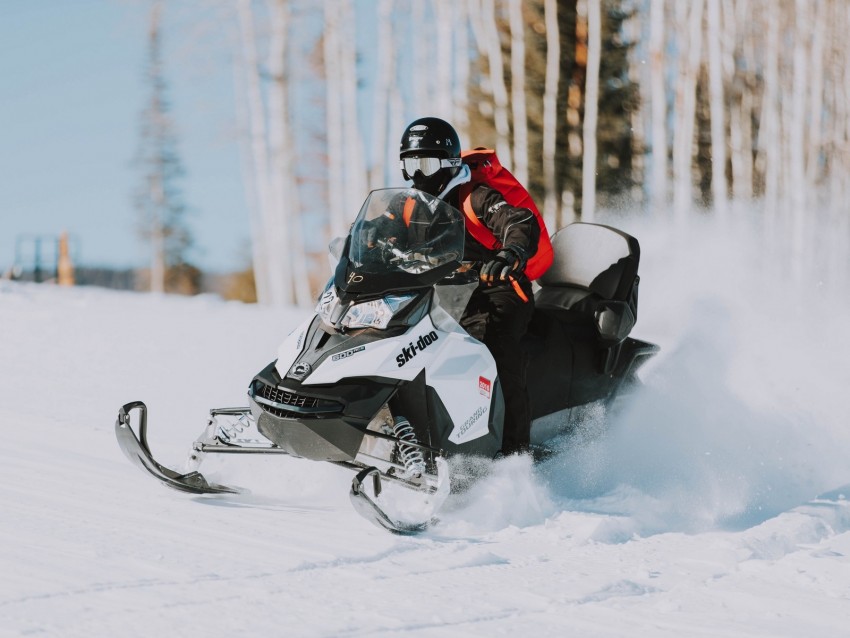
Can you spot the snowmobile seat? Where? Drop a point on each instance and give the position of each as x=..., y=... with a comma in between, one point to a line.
x=592, y=286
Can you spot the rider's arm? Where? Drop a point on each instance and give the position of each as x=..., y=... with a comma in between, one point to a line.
x=513, y=226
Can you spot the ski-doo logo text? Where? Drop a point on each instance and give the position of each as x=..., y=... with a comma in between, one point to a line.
x=415, y=348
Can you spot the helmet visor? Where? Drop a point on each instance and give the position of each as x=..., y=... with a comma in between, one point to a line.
x=427, y=165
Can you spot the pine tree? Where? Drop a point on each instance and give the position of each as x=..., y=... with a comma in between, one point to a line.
x=159, y=199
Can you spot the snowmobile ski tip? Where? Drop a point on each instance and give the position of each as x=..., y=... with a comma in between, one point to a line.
x=137, y=450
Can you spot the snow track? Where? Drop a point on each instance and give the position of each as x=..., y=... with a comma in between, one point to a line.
x=696, y=514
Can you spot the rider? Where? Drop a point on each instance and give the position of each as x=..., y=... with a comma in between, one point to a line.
x=500, y=309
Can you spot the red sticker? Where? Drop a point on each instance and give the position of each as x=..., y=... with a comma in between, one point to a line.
x=484, y=386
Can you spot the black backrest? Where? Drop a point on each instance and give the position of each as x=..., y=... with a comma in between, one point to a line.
x=595, y=258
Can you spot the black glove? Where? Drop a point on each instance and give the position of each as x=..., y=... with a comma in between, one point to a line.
x=510, y=260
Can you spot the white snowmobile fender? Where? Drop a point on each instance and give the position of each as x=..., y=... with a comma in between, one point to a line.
x=464, y=375
x=458, y=367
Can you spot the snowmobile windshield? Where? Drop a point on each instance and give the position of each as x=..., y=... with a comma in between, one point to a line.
x=403, y=238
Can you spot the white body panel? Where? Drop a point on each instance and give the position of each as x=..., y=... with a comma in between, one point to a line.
x=459, y=368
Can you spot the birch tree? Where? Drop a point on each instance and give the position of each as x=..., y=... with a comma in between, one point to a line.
x=282, y=277
x=255, y=167
x=333, y=118
x=738, y=21
x=444, y=26
x=769, y=149
x=421, y=52
x=385, y=71
x=591, y=106
x=659, y=105
x=718, y=127
x=550, y=115
x=497, y=80
x=461, y=63
x=796, y=138
x=518, y=92
x=355, y=166
x=690, y=17
x=287, y=229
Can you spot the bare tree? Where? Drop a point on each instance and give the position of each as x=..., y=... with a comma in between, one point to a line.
x=796, y=138
x=355, y=168
x=287, y=229
x=769, y=148
x=739, y=23
x=550, y=112
x=333, y=118
x=658, y=197
x=690, y=23
x=518, y=91
x=718, y=126
x=421, y=52
x=284, y=280
x=497, y=80
x=461, y=62
x=444, y=26
x=591, y=109
x=384, y=73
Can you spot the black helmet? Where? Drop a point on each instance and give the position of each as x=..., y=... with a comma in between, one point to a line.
x=430, y=139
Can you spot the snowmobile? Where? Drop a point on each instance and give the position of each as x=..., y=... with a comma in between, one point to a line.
x=383, y=380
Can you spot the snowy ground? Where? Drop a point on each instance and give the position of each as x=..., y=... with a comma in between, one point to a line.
x=695, y=514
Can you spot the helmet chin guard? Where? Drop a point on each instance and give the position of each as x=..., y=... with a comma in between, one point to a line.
x=432, y=184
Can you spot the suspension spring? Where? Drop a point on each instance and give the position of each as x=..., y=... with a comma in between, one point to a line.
x=229, y=431
x=411, y=457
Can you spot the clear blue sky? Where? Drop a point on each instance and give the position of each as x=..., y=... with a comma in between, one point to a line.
x=71, y=91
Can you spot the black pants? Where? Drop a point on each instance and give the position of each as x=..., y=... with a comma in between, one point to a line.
x=498, y=316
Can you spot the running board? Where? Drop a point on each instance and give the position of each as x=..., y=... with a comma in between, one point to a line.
x=137, y=450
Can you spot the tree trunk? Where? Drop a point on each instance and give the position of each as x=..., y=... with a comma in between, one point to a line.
x=462, y=63
x=816, y=105
x=497, y=80
x=381, y=97
x=550, y=113
x=333, y=118
x=718, y=126
x=770, y=153
x=591, y=109
x=518, y=94
x=658, y=194
x=741, y=18
x=796, y=139
x=258, y=254
x=284, y=196
x=269, y=273
x=355, y=169
x=157, y=284
x=422, y=48
x=445, y=59
x=683, y=146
